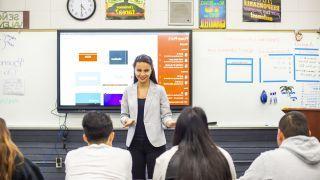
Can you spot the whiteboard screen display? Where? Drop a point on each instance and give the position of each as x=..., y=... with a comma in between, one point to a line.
x=95, y=67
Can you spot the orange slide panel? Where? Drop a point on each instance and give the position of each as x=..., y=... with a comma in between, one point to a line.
x=173, y=67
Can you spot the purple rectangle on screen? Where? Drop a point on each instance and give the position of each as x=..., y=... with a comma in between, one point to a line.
x=112, y=99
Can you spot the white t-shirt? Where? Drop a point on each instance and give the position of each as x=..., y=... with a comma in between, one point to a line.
x=98, y=162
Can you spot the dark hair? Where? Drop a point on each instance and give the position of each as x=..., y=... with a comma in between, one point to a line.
x=202, y=158
x=146, y=59
x=202, y=115
x=294, y=123
x=97, y=126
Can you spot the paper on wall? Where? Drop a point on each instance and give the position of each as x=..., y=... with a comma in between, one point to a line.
x=13, y=87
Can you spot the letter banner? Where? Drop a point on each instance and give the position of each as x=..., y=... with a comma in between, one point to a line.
x=125, y=9
x=261, y=10
x=212, y=14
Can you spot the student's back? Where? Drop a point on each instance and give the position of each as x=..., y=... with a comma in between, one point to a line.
x=297, y=158
x=26, y=171
x=298, y=155
x=195, y=156
x=98, y=162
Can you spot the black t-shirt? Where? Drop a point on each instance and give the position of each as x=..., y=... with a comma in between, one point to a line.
x=26, y=171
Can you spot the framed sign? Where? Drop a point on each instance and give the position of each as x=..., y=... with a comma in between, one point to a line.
x=14, y=19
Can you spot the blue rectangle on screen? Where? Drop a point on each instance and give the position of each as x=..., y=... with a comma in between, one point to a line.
x=87, y=79
x=112, y=99
x=87, y=98
x=118, y=57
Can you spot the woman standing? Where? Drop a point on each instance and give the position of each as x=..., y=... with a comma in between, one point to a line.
x=13, y=166
x=144, y=109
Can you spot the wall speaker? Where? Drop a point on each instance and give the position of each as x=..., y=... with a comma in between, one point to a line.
x=181, y=12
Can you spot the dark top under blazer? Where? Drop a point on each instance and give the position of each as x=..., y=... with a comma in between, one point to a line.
x=140, y=133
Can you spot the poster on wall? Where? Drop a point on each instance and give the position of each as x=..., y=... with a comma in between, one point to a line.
x=262, y=10
x=125, y=9
x=14, y=20
x=212, y=14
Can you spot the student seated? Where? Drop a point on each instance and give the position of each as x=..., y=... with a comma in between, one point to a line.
x=98, y=160
x=13, y=166
x=194, y=155
x=298, y=155
x=204, y=119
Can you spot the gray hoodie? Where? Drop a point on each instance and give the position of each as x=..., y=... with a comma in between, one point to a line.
x=297, y=158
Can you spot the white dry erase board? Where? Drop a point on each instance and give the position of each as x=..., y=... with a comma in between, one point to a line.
x=231, y=69
x=28, y=78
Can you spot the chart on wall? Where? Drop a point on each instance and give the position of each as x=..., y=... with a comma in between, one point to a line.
x=246, y=78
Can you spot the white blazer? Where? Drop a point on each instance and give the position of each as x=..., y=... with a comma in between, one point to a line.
x=163, y=160
x=156, y=111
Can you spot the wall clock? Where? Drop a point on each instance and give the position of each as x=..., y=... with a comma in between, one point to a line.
x=81, y=9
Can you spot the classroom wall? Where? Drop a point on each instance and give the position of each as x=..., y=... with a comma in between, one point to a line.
x=52, y=14
x=43, y=146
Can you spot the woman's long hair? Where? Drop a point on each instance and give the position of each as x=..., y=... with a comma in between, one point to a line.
x=200, y=112
x=146, y=59
x=202, y=159
x=8, y=153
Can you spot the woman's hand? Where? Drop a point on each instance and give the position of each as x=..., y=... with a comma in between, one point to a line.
x=129, y=122
x=171, y=123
